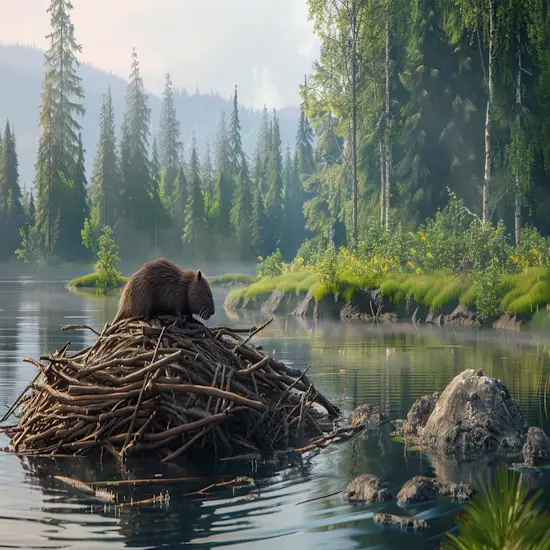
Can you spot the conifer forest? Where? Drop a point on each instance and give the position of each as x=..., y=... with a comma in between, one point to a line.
x=419, y=114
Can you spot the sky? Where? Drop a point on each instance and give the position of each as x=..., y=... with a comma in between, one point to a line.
x=263, y=46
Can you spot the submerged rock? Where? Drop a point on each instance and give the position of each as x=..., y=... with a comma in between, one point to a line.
x=418, y=489
x=422, y=489
x=536, y=448
x=368, y=416
x=475, y=413
x=456, y=491
x=419, y=414
x=409, y=524
x=366, y=488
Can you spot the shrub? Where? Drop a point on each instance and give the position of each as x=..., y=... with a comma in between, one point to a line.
x=272, y=266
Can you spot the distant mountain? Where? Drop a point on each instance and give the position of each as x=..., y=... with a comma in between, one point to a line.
x=21, y=75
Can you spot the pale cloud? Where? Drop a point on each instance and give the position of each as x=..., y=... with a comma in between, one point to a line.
x=264, y=46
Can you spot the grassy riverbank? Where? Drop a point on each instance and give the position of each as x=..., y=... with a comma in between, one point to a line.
x=517, y=294
x=92, y=280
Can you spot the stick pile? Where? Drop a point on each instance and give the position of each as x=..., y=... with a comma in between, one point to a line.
x=167, y=389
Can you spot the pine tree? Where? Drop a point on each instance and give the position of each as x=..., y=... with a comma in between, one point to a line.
x=274, y=195
x=223, y=198
x=179, y=199
x=240, y=213
x=208, y=170
x=158, y=194
x=12, y=217
x=170, y=133
x=156, y=170
x=235, y=142
x=194, y=208
x=134, y=162
x=304, y=144
x=105, y=176
x=223, y=148
x=58, y=149
x=257, y=224
x=78, y=199
x=32, y=211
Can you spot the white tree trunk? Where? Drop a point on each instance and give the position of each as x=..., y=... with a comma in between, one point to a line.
x=487, y=172
x=387, y=125
x=517, y=217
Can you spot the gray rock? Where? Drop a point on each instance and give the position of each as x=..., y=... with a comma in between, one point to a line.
x=305, y=308
x=508, y=323
x=456, y=491
x=368, y=416
x=366, y=488
x=461, y=316
x=536, y=448
x=408, y=524
x=419, y=414
x=418, y=489
x=475, y=413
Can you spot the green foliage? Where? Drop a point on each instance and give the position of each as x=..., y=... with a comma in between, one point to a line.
x=87, y=235
x=271, y=266
x=108, y=260
x=235, y=143
x=503, y=515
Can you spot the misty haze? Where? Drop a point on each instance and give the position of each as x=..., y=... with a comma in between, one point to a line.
x=274, y=272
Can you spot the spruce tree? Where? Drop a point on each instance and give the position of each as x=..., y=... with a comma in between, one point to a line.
x=32, y=211
x=223, y=148
x=105, y=176
x=179, y=199
x=207, y=174
x=134, y=162
x=12, y=217
x=235, y=142
x=170, y=134
x=304, y=144
x=223, y=198
x=58, y=149
x=76, y=193
x=240, y=213
x=156, y=170
x=257, y=224
x=274, y=195
x=194, y=209
x=294, y=226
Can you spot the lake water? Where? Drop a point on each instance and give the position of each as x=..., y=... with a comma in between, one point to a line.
x=351, y=363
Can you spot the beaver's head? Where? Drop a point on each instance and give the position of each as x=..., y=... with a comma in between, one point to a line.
x=200, y=298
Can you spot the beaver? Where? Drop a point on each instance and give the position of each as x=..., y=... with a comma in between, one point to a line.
x=162, y=288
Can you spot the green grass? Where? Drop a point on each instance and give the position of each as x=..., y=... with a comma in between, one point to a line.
x=91, y=281
x=524, y=293
x=232, y=278
x=291, y=283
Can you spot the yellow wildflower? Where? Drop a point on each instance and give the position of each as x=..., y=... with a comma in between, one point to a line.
x=429, y=255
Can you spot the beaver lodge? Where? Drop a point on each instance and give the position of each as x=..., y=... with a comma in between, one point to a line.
x=167, y=389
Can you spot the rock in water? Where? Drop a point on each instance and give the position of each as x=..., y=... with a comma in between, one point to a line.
x=475, y=413
x=537, y=447
x=418, y=489
x=367, y=415
x=419, y=414
x=391, y=520
x=366, y=488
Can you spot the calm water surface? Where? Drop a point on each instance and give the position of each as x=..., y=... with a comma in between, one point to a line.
x=351, y=364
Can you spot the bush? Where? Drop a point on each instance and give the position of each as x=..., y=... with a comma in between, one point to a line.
x=107, y=259
x=272, y=266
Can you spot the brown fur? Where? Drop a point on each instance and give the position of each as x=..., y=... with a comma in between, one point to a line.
x=162, y=288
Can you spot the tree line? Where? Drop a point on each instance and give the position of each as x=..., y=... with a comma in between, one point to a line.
x=408, y=102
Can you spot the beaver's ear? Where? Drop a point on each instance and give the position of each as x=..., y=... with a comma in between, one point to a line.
x=199, y=275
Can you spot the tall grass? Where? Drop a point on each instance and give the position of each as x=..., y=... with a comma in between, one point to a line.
x=92, y=281
x=232, y=278
x=503, y=516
